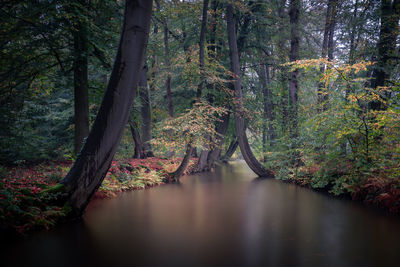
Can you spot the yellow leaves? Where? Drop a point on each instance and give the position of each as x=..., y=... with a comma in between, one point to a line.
x=352, y=98
x=331, y=69
x=193, y=125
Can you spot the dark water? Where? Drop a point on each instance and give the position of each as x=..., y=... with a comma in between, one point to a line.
x=225, y=218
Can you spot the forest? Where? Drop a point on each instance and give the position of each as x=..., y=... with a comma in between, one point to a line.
x=102, y=96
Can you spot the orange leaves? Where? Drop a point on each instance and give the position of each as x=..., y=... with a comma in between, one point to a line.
x=194, y=124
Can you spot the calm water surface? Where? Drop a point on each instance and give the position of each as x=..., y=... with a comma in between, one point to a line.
x=224, y=218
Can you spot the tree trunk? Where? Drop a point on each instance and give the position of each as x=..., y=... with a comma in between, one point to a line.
x=353, y=44
x=231, y=149
x=268, y=116
x=283, y=70
x=238, y=107
x=81, y=99
x=137, y=140
x=387, y=59
x=331, y=44
x=221, y=129
x=202, y=162
x=327, y=49
x=168, y=70
x=91, y=166
x=145, y=114
x=201, y=48
x=190, y=150
x=185, y=162
x=167, y=65
x=222, y=126
x=294, y=55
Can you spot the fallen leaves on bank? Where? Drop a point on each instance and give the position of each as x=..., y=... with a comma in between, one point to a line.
x=22, y=207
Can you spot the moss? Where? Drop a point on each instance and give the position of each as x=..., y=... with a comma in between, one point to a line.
x=58, y=188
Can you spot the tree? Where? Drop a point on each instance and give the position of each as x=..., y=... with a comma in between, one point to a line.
x=91, y=166
x=389, y=30
x=145, y=114
x=294, y=55
x=81, y=86
x=268, y=115
x=238, y=101
x=327, y=48
x=202, y=162
x=136, y=139
x=167, y=64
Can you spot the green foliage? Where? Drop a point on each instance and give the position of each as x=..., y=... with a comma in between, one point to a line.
x=36, y=92
x=343, y=142
x=191, y=126
x=25, y=205
x=125, y=176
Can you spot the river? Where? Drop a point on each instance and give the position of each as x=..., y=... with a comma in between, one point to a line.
x=221, y=218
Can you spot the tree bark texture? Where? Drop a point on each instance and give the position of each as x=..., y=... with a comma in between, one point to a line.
x=81, y=87
x=248, y=156
x=91, y=166
x=145, y=112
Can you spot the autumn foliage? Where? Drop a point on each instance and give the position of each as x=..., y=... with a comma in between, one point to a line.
x=25, y=205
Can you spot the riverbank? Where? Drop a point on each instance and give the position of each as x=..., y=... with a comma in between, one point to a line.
x=23, y=207
x=376, y=189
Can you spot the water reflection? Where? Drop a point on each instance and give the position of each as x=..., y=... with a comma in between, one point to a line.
x=224, y=218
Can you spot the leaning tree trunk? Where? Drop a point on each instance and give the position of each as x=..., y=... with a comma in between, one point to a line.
x=248, y=156
x=91, y=166
x=81, y=87
x=146, y=114
x=185, y=162
x=231, y=149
